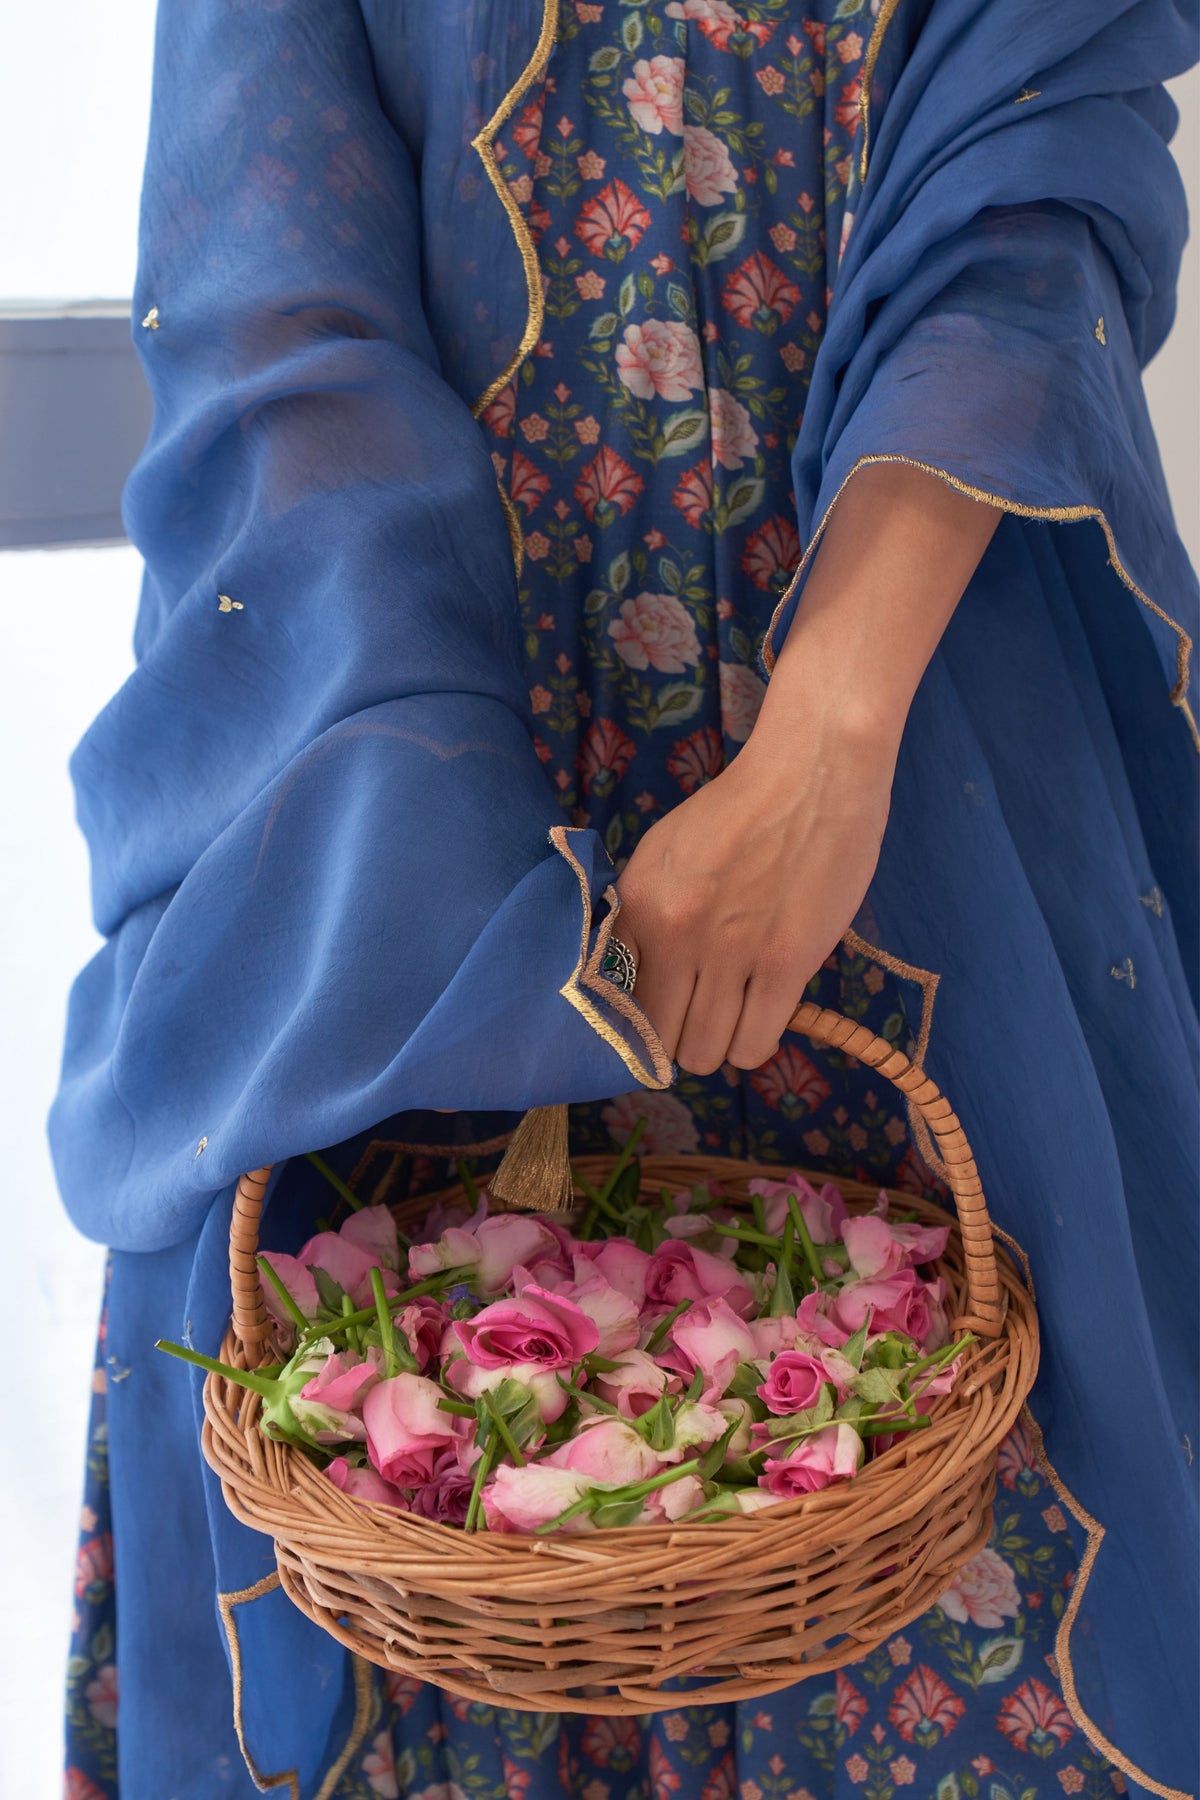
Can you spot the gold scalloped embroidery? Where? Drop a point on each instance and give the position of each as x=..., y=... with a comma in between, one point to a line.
x=1062, y=1641
x=1053, y=514
x=362, y=1706
x=928, y=980
x=887, y=13
x=482, y=143
x=586, y=975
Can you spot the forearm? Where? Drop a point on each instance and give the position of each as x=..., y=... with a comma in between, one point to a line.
x=892, y=565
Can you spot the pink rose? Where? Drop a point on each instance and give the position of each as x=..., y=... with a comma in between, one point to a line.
x=983, y=1593
x=364, y=1484
x=794, y=1382
x=921, y=1243
x=741, y=696
x=374, y=1231
x=733, y=436
x=708, y=170
x=406, y=1430
x=666, y=1504
x=329, y=1406
x=814, y=1320
x=522, y=1499
x=670, y=1126
x=824, y=1213
x=491, y=1250
x=447, y=1496
x=655, y=631
x=610, y=1451
x=660, y=357
x=773, y=1335
x=830, y=1455
x=697, y=1425
x=537, y=1327
x=462, y=1377
x=299, y=1283
x=422, y=1324
x=874, y=1252
x=709, y=1336
x=635, y=1386
x=903, y=1302
x=680, y=1271
x=655, y=94
x=621, y=1263
x=614, y=1315
x=344, y=1262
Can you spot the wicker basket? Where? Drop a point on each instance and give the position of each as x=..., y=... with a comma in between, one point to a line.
x=609, y=1621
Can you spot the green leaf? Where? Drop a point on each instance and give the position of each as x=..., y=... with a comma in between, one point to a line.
x=682, y=430
x=604, y=326
x=670, y=574
x=595, y=602
x=999, y=1657
x=613, y=835
x=722, y=235
x=619, y=572
x=879, y=1387
x=679, y=300
x=948, y=1788
x=854, y=1346
x=329, y=1292
x=657, y=1425
x=783, y=1300
x=601, y=61
x=677, y=702
x=631, y=31
x=531, y=644
x=741, y=500
x=849, y=9
x=626, y=295
x=615, y=1514
x=646, y=286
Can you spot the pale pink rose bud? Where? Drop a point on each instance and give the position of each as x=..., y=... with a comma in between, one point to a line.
x=834, y=1454
x=364, y=1484
x=406, y=1429
x=522, y=1499
x=608, y=1451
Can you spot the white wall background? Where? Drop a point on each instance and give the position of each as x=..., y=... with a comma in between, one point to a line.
x=72, y=150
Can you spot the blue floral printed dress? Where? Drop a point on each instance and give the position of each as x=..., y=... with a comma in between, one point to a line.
x=688, y=181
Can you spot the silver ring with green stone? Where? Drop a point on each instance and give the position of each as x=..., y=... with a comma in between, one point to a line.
x=619, y=966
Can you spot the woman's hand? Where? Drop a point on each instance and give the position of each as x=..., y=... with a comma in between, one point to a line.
x=733, y=900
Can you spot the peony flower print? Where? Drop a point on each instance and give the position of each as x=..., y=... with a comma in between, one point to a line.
x=655, y=94
x=655, y=631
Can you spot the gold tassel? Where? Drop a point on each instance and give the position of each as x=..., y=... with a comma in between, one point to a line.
x=535, y=1172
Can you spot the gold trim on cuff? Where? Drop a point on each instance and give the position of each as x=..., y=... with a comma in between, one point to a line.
x=1053, y=514
x=586, y=975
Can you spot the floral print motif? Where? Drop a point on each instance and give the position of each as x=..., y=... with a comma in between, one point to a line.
x=687, y=175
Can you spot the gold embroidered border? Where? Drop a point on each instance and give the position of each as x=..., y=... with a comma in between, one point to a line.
x=482, y=143
x=362, y=1707
x=928, y=980
x=886, y=14
x=586, y=974
x=1062, y=1642
x=1054, y=514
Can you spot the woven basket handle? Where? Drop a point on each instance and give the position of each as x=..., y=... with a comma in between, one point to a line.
x=984, y=1313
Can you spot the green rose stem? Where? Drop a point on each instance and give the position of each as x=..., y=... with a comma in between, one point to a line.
x=617, y=1496
x=331, y=1327
x=501, y=1425
x=658, y=1335
x=884, y=1427
x=483, y=1469
x=627, y=1149
x=259, y=1381
x=459, y=1408
x=598, y=1203
x=286, y=1300
x=467, y=1183
x=353, y=1335
x=335, y=1181
x=806, y=1243
x=745, y=1235
x=395, y=1358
